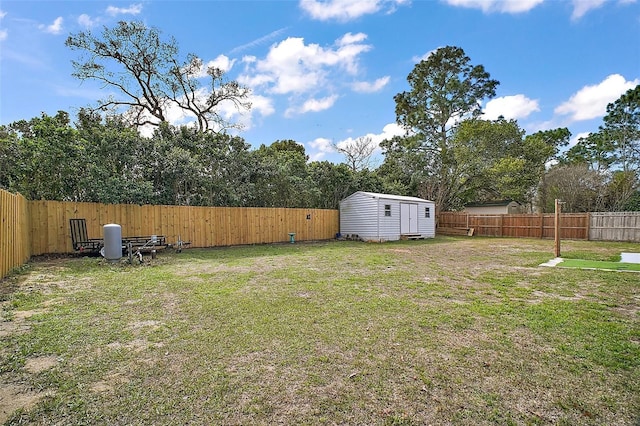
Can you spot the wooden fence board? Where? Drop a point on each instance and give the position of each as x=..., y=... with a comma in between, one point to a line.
x=15, y=232
x=573, y=225
x=615, y=226
x=202, y=226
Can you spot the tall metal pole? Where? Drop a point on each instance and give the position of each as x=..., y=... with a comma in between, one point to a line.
x=557, y=228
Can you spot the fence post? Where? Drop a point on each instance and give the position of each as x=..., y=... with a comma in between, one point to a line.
x=588, y=227
x=541, y=225
x=557, y=228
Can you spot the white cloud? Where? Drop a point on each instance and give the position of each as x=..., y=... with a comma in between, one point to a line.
x=295, y=67
x=350, y=38
x=55, y=28
x=424, y=57
x=574, y=140
x=222, y=62
x=133, y=9
x=591, y=101
x=313, y=105
x=86, y=21
x=4, y=34
x=502, y=6
x=347, y=10
x=367, y=87
x=581, y=7
x=510, y=107
x=388, y=131
x=323, y=146
x=262, y=105
x=306, y=71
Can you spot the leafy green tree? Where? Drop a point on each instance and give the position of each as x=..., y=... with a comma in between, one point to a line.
x=405, y=168
x=281, y=177
x=596, y=150
x=151, y=76
x=112, y=168
x=579, y=187
x=444, y=89
x=622, y=128
x=614, y=150
x=538, y=150
x=486, y=162
x=621, y=187
x=333, y=182
x=9, y=159
x=229, y=168
x=44, y=158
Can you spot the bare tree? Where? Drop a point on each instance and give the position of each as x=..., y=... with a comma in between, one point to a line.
x=151, y=78
x=357, y=152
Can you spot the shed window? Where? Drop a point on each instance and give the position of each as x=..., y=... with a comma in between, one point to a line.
x=387, y=209
x=427, y=212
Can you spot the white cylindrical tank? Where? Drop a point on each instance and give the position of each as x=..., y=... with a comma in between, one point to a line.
x=112, y=242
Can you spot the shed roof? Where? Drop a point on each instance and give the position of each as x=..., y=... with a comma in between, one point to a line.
x=390, y=197
x=492, y=203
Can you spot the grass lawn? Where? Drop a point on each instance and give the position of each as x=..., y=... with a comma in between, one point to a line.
x=599, y=264
x=445, y=331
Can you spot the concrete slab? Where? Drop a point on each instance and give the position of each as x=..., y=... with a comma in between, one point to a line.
x=552, y=262
x=630, y=257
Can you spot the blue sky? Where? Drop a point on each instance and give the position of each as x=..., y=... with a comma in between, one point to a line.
x=323, y=72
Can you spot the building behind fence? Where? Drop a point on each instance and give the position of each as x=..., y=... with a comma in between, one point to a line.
x=31, y=228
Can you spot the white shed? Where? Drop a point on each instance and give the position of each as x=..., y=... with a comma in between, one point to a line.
x=384, y=217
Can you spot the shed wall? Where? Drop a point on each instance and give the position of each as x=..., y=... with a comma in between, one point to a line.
x=427, y=226
x=389, y=225
x=358, y=215
x=364, y=216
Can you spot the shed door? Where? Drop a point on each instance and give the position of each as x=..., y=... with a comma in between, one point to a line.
x=408, y=218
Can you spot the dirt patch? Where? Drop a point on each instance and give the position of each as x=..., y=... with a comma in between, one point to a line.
x=15, y=397
x=8, y=328
x=154, y=325
x=632, y=311
x=136, y=345
x=41, y=363
x=109, y=383
x=399, y=251
x=543, y=295
x=54, y=302
x=22, y=315
x=204, y=270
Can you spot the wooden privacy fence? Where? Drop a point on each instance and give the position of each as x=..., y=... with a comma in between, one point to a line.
x=201, y=226
x=600, y=226
x=615, y=226
x=573, y=225
x=15, y=241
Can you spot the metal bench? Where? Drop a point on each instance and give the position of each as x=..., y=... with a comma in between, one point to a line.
x=83, y=244
x=80, y=240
